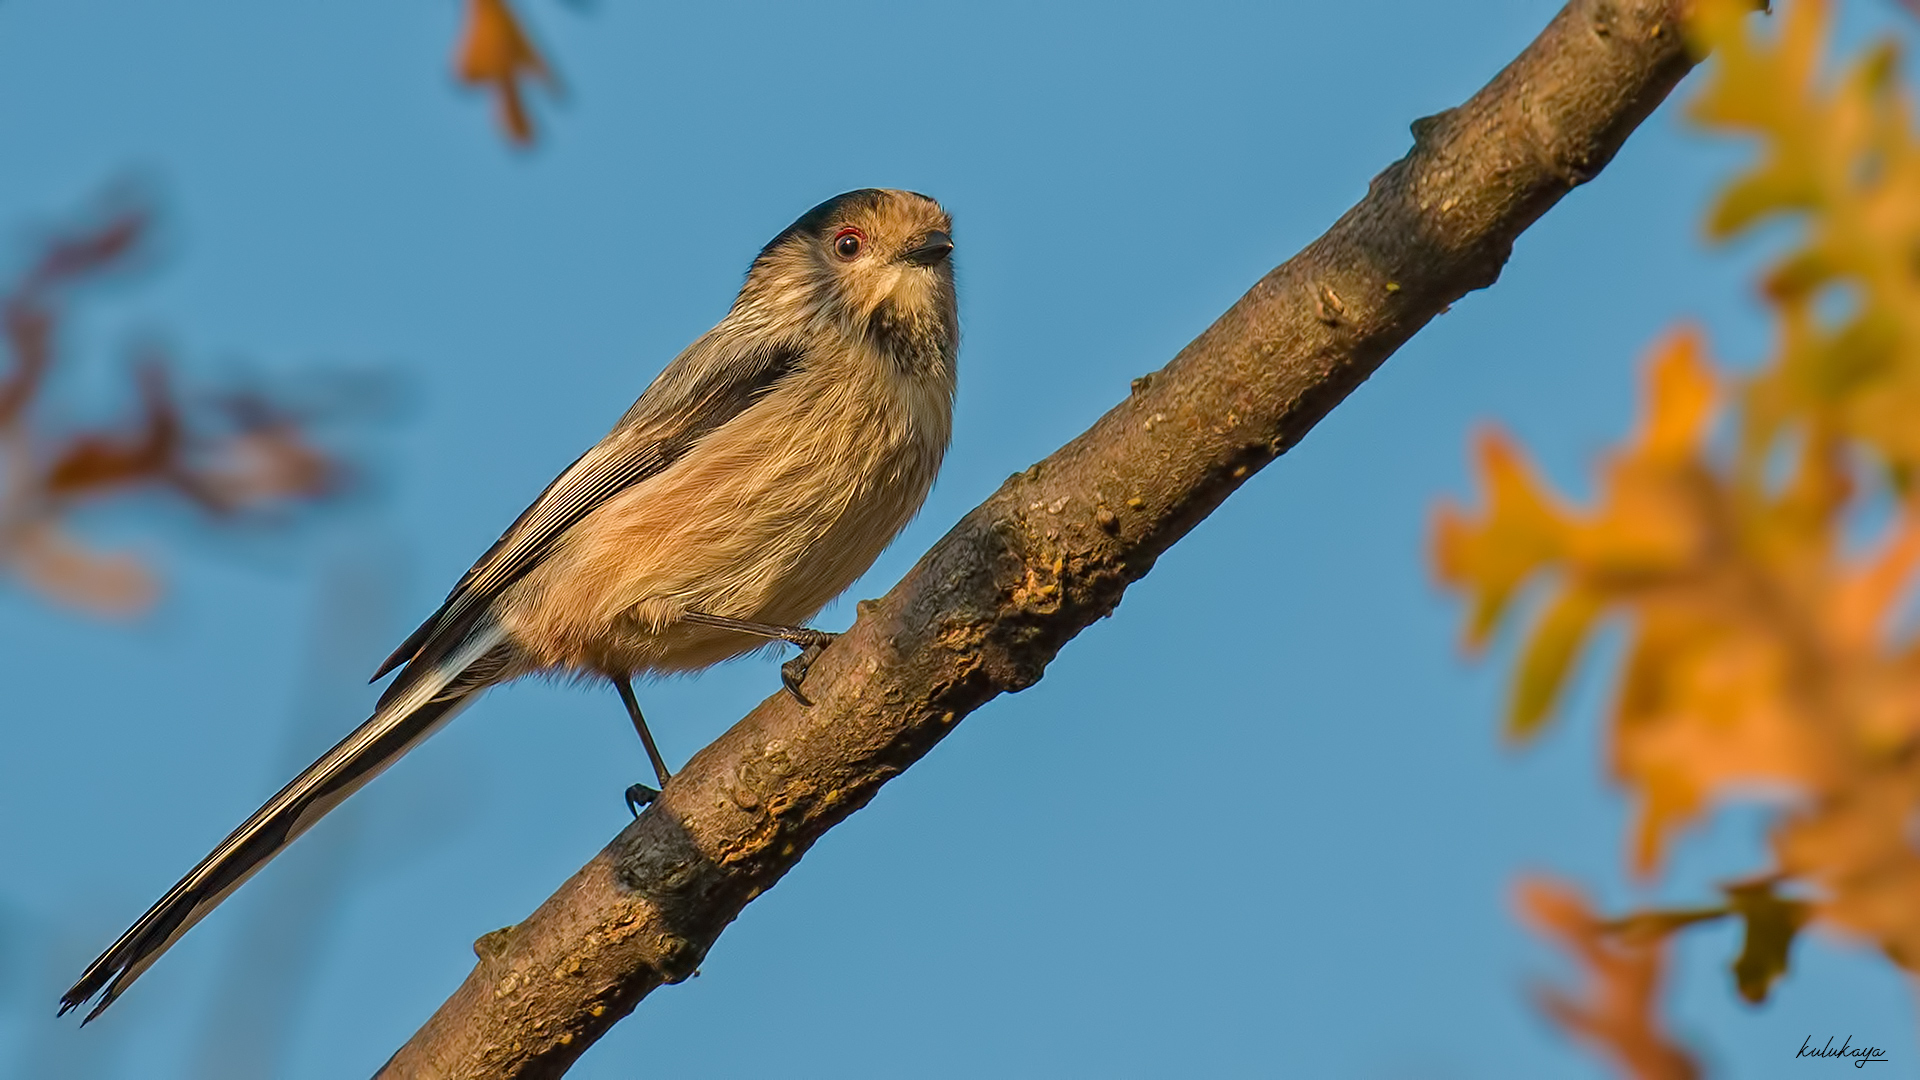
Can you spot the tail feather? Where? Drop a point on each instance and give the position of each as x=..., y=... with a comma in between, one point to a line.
x=405, y=718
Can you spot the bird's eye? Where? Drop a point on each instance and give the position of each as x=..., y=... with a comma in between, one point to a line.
x=848, y=241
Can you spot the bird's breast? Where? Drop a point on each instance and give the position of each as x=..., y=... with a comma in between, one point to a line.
x=767, y=518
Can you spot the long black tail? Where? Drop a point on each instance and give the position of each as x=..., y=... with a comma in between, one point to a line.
x=397, y=726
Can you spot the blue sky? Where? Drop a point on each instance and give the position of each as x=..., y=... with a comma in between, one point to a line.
x=1257, y=824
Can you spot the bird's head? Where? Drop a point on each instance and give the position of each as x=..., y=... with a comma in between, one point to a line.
x=878, y=259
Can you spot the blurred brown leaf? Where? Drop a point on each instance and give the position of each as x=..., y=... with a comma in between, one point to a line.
x=496, y=54
x=1772, y=921
x=232, y=453
x=1616, y=1013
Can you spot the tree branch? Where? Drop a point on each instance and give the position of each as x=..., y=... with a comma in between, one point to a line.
x=992, y=603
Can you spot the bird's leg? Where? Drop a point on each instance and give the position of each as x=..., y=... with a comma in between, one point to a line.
x=794, y=671
x=640, y=795
x=803, y=636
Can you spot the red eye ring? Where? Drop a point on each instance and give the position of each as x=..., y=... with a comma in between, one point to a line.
x=848, y=242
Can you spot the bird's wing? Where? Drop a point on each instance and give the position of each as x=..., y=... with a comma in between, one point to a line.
x=707, y=386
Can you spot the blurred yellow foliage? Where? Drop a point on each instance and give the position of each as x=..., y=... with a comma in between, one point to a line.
x=1756, y=540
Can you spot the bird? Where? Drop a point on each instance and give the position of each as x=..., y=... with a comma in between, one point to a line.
x=755, y=478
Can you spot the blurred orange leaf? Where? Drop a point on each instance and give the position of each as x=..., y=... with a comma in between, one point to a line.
x=1648, y=530
x=1617, y=1013
x=496, y=54
x=43, y=556
x=1522, y=533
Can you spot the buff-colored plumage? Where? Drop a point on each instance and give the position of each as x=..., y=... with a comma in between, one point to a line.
x=781, y=508
x=762, y=472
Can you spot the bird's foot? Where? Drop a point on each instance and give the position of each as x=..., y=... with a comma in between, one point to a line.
x=794, y=671
x=638, y=796
x=808, y=638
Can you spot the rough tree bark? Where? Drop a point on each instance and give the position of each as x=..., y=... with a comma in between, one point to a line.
x=986, y=609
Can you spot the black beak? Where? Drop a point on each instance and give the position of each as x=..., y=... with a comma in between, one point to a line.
x=936, y=246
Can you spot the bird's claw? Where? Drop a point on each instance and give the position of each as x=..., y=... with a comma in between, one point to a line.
x=640, y=795
x=794, y=671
